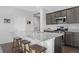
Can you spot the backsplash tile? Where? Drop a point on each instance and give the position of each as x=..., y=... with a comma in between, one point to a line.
x=74, y=27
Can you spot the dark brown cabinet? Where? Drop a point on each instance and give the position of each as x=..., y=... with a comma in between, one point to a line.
x=48, y=19
x=63, y=13
x=58, y=45
x=76, y=14
x=73, y=15
x=53, y=18
x=69, y=38
x=70, y=16
x=58, y=14
x=76, y=39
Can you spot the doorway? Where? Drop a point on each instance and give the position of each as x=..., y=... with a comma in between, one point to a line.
x=36, y=23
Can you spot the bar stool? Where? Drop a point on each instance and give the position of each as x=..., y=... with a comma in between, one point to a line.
x=25, y=46
x=17, y=45
x=37, y=48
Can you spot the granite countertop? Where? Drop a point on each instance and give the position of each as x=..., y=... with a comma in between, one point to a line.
x=43, y=36
x=37, y=36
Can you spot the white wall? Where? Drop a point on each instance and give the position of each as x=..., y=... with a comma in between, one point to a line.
x=18, y=22
x=6, y=28
x=42, y=19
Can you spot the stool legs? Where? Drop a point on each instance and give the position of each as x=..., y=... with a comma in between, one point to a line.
x=14, y=46
x=17, y=45
x=37, y=48
x=25, y=46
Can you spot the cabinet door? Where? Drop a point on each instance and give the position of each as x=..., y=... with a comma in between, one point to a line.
x=69, y=39
x=76, y=39
x=76, y=14
x=48, y=19
x=58, y=44
x=70, y=16
x=53, y=18
x=58, y=14
x=63, y=13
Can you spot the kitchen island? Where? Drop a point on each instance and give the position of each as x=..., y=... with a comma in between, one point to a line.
x=51, y=41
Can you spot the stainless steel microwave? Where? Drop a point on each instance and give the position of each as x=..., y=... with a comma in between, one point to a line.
x=61, y=20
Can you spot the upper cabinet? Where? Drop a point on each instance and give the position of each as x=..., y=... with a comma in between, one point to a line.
x=53, y=18
x=63, y=13
x=58, y=14
x=72, y=15
x=48, y=19
x=76, y=14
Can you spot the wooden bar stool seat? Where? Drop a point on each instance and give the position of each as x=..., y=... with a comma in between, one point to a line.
x=25, y=46
x=37, y=48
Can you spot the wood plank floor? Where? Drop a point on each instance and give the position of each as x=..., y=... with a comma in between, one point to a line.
x=7, y=48
x=68, y=49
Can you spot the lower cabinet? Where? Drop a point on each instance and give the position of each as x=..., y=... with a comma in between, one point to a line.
x=58, y=45
x=72, y=39
x=69, y=38
x=76, y=40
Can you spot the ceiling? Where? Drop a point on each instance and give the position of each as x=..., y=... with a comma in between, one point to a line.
x=49, y=9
